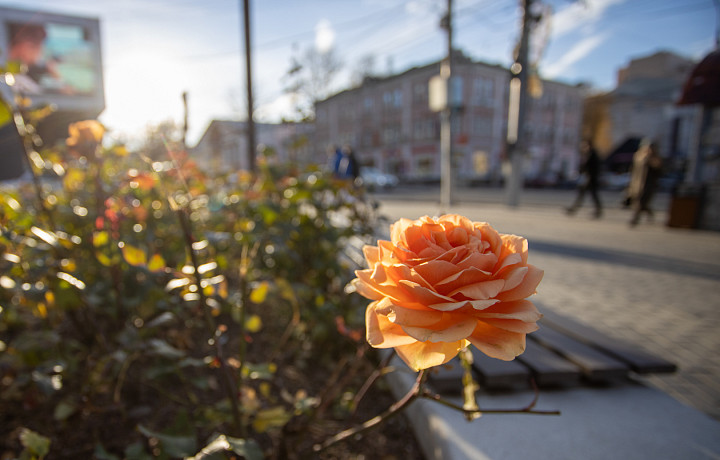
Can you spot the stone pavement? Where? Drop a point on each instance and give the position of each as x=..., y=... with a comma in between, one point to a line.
x=650, y=285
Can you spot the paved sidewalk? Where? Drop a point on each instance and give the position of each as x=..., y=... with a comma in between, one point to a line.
x=650, y=285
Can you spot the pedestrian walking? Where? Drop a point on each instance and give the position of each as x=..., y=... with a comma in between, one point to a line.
x=349, y=166
x=589, y=179
x=646, y=170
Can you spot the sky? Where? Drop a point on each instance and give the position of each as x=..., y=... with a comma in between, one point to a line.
x=154, y=50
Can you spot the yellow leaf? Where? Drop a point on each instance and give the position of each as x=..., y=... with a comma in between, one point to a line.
x=253, y=324
x=134, y=256
x=74, y=179
x=41, y=310
x=259, y=294
x=157, y=263
x=265, y=389
x=100, y=238
x=120, y=151
x=103, y=259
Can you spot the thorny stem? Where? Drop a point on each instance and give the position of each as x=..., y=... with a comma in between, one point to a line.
x=427, y=394
x=335, y=383
x=414, y=393
x=244, y=300
x=376, y=374
x=227, y=375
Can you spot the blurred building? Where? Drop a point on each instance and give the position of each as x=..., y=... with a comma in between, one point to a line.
x=56, y=61
x=390, y=125
x=223, y=146
x=643, y=104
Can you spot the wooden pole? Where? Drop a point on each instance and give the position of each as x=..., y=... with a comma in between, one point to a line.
x=248, y=81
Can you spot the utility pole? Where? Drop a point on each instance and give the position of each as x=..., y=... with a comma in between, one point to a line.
x=517, y=110
x=185, y=119
x=446, y=172
x=248, y=80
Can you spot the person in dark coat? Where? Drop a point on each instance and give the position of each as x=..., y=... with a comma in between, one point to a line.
x=589, y=179
x=646, y=170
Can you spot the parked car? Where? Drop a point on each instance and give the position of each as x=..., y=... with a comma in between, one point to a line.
x=372, y=178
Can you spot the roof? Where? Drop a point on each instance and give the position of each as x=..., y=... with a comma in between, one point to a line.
x=703, y=84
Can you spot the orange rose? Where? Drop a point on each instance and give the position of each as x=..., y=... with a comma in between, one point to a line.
x=85, y=136
x=442, y=283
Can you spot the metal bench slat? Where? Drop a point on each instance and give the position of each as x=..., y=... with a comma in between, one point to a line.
x=494, y=373
x=547, y=367
x=447, y=379
x=639, y=360
x=594, y=364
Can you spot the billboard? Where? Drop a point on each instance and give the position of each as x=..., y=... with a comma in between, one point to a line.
x=56, y=59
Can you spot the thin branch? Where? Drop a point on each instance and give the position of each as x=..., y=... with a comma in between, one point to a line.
x=427, y=394
x=379, y=371
x=414, y=393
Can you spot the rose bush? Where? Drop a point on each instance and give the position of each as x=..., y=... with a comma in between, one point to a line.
x=442, y=283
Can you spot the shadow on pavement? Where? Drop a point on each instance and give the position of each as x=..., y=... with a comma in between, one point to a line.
x=629, y=259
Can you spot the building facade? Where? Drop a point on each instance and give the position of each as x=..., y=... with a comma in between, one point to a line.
x=389, y=124
x=644, y=105
x=223, y=146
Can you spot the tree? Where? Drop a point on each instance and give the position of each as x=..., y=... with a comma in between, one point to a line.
x=310, y=79
x=160, y=137
x=364, y=68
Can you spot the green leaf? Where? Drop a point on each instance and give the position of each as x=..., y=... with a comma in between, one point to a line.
x=274, y=417
x=248, y=449
x=136, y=451
x=174, y=446
x=35, y=444
x=63, y=410
x=102, y=454
x=162, y=348
x=260, y=371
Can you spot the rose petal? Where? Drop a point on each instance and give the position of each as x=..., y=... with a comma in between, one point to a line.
x=365, y=290
x=380, y=332
x=497, y=343
x=422, y=355
x=489, y=235
x=409, y=316
x=422, y=294
x=480, y=291
x=376, y=280
x=463, y=278
x=508, y=260
x=513, y=325
x=513, y=244
x=456, y=331
x=526, y=288
x=514, y=277
x=435, y=270
x=485, y=262
x=523, y=310
x=372, y=254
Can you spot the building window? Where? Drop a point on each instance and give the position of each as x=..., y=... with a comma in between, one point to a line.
x=425, y=129
x=481, y=126
x=482, y=92
x=420, y=92
x=387, y=98
x=397, y=98
x=368, y=104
